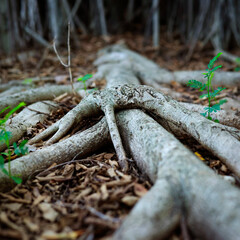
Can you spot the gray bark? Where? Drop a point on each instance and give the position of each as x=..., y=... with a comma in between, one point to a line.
x=34, y=95
x=102, y=17
x=155, y=4
x=28, y=118
x=183, y=185
x=79, y=145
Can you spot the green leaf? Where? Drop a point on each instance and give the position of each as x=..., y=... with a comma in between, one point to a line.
x=204, y=114
x=237, y=69
x=4, y=110
x=4, y=170
x=85, y=78
x=216, y=68
x=211, y=63
x=21, y=104
x=217, y=107
x=21, y=149
x=196, y=84
x=238, y=60
x=27, y=81
x=1, y=162
x=5, y=136
x=210, y=79
x=4, y=153
x=216, y=120
x=16, y=179
x=216, y=92
x=222, y=101
x=203, y=95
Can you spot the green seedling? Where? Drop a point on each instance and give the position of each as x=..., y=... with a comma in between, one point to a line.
x=84, y=79
x=237, y=69
x=5, y=136
x=211, y=93
x=27, y=81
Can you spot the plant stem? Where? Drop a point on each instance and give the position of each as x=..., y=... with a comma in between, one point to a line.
x=209, y=100
x=8, y=157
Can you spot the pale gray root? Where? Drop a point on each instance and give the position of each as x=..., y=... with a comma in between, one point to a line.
x=14, y=89
x=115, y=136
x=34, y=95
x=183, y=185
x=78, y=145
x=222, y=141
x=229, y=118
x=28, y=118
x=14, y=83
x=155, y=216
x=83, y=110
x=228, y=56
x=90, y=106
x=151, y=74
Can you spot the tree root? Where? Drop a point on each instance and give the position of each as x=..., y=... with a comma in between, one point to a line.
x=151, y=74
x=28, y=118
x=79, y=145
x=183, y=186
x=220, y=140
x=34, y=95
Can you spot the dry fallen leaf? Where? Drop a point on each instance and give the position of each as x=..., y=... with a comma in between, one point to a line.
x=139, y=190
x=14, y=207
x=129, y=200
x=48, y=212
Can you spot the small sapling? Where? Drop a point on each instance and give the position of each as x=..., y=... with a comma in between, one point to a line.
x=211, y=93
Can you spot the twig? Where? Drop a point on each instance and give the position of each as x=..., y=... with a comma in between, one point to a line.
x=36, y=36
x=68, y=65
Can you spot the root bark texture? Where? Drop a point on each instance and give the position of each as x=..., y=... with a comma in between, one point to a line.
x=183, y=185
x=28, y=118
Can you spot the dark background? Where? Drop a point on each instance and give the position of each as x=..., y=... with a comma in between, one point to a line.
x=32, y=23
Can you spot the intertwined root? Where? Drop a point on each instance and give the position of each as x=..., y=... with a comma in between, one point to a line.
x=221, y=140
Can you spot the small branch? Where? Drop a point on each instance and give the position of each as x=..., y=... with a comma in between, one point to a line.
x=68, y=65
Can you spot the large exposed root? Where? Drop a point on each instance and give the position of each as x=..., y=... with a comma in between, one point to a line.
x=78, y=145
x=183, y=185
x=27, y=118
x=151, y=74
x=34, y=95
x=220, y=140
x=228, y=118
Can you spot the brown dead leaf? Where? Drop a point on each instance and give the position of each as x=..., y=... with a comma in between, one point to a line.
x=48, y=212
x=111, y=172
x=68, y=170
x=33, y=227
x=14, y=207
x=83, y=193
x=39, y=199
x=139, y=189
x=104, y=192
x=129, y=200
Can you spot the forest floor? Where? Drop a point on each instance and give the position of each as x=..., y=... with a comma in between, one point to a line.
x=88, y=198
